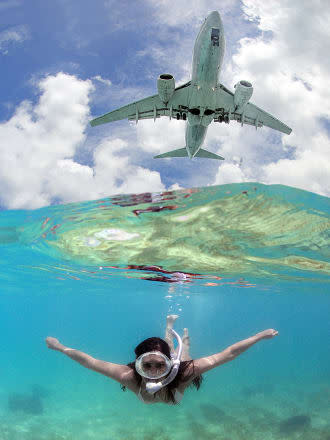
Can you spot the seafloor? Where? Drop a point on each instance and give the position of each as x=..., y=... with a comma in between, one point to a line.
x=259, y=412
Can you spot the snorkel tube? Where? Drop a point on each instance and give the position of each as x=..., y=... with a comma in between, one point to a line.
x=153, y=387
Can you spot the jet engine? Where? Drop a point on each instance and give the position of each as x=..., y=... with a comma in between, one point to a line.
x=243, y=92
x=166, y=86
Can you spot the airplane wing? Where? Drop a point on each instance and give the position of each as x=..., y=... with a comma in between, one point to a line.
x=150, y=108
x=251, y=114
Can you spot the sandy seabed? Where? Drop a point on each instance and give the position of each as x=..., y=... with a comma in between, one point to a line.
x=258, y=412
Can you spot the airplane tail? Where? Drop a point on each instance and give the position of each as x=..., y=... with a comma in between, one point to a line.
x=208, y=155
x=182, y=152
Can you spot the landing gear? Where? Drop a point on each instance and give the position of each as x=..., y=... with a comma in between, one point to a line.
x=223, y=118
x=178, y=116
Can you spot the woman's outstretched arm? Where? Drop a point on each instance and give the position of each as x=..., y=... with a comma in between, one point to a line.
x=120, y=373
x=207, y=363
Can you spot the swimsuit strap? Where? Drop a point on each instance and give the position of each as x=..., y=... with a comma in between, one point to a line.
x=177, y=396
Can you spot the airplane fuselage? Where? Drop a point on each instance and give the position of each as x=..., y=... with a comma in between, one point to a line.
x=207, y=60
x=201, y=100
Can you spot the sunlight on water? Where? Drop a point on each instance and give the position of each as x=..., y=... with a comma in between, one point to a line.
x=101, y=276
x=233, y=229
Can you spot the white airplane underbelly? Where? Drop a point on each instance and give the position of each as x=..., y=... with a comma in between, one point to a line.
x=195, y=135
x=208, y=52
x=207, y=59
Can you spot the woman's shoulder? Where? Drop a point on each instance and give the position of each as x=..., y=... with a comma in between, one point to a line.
x=187, y=375
x=188, y=368
x=128, y=379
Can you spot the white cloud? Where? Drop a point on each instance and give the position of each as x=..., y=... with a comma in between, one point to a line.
x=310, y=170
x=161, y=135
x=37, y=136
x=16, y=34
x=38, y=147
x=187, y=12
x=112, y=173
x=99, y=78
x=69, y=181
x=175, y=187
x=7, y=4
x=229, y=173
x=115, y=174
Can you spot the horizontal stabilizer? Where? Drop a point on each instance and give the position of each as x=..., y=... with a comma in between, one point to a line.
x=208, y=155
x=181, y=152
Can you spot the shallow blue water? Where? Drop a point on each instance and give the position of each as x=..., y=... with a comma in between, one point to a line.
x=262, y=259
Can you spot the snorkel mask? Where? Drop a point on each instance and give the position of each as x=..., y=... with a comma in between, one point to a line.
x=155, y=365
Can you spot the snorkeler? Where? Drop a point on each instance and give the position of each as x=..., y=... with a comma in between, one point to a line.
x=160, y=373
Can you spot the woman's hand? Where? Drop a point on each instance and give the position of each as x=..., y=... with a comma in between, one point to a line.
x=268, y=334
x=54, y=344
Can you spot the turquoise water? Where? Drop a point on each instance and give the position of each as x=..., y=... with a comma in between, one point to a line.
x=255, y=257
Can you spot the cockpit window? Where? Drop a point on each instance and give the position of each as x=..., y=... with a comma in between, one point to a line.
x=215, y=36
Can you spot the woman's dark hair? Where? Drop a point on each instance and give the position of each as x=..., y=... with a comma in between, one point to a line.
x=158, y=344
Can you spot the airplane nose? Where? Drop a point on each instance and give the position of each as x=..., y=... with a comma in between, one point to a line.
x=214, y=19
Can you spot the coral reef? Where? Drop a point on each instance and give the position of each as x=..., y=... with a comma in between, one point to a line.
x=295, y=423
x=212, y=413
x=30, y=402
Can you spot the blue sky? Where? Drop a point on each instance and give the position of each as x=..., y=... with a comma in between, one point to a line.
x=65, y=62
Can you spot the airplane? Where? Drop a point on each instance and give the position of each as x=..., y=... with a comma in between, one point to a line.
x=200, y=101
